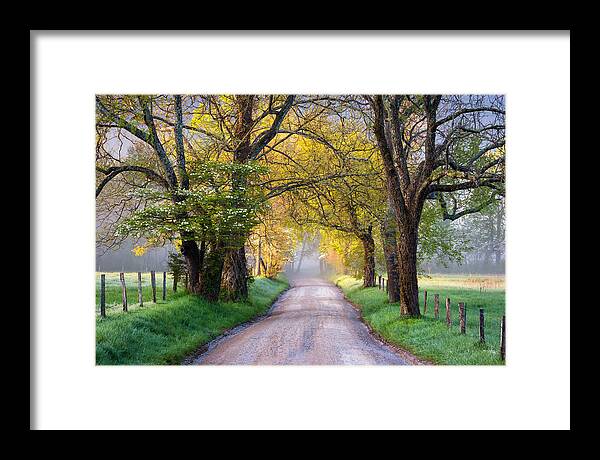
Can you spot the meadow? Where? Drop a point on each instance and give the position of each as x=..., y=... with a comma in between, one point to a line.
x=428, y=337
x=167, y=331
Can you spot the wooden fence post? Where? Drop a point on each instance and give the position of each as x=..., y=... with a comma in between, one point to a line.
x=481, y=326
x=123, y=290
x=103, y=296
x=153, y=281
x=164, y=286
x=436, y=306
x=387, y=286
x=174, y=283
x=140, y=293
x=425, y=302
x=379, y=281
x=448, y=314
x=503, y=338
x=462, y=317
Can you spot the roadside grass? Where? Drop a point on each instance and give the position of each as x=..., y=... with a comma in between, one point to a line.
x=427, y=337
x=166, y=332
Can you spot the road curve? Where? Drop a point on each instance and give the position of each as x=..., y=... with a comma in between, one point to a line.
x=310, y=324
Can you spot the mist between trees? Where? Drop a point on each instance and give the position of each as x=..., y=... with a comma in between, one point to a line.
x=248, y=185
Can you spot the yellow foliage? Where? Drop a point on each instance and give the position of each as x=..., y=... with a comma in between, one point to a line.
x=139, y=251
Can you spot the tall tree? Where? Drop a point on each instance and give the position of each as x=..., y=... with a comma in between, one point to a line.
x=136, y=116
x=421, y=141
x=251, y=133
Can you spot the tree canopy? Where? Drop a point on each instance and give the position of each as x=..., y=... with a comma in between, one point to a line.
x=380, y=178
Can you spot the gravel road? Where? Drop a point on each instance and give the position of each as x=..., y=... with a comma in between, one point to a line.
x=310, y=324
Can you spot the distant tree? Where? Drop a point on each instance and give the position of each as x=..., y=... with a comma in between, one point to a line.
x=485, y=231
x=273, y=240
x=351, y=201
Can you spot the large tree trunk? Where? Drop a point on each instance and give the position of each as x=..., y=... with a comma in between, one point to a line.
x=210, y=286
x=369, y=259
x=390, y=253
x=235, y=275
x=193, y=261
x=407, y=256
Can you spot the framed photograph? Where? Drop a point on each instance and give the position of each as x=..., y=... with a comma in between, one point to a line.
x=361, y=243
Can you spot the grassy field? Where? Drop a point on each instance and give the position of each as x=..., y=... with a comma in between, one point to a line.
x=166, y=332
x=427, y=337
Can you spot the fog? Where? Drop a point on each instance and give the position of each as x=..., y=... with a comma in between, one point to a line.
x=309, y=268
x=122, y=259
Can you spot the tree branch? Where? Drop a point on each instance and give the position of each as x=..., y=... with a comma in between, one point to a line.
x=465, y=111
x=293, y=185
x=114, y=171
x=157, y=144
x=490, y=182
x=457, y=215
x=266, y=137
x=122, y=123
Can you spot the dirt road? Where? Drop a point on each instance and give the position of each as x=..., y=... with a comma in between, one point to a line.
x=310, y=324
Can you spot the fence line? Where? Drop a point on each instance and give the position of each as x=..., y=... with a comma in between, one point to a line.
x=123, y=288
x=382, y=284
x=462, y=316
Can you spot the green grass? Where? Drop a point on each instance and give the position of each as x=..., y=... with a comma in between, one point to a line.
x=166, y=332
x=427, y=337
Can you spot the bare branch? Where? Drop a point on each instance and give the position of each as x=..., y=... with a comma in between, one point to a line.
x=465, y=111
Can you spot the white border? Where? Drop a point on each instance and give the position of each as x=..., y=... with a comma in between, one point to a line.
x=532, y=391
